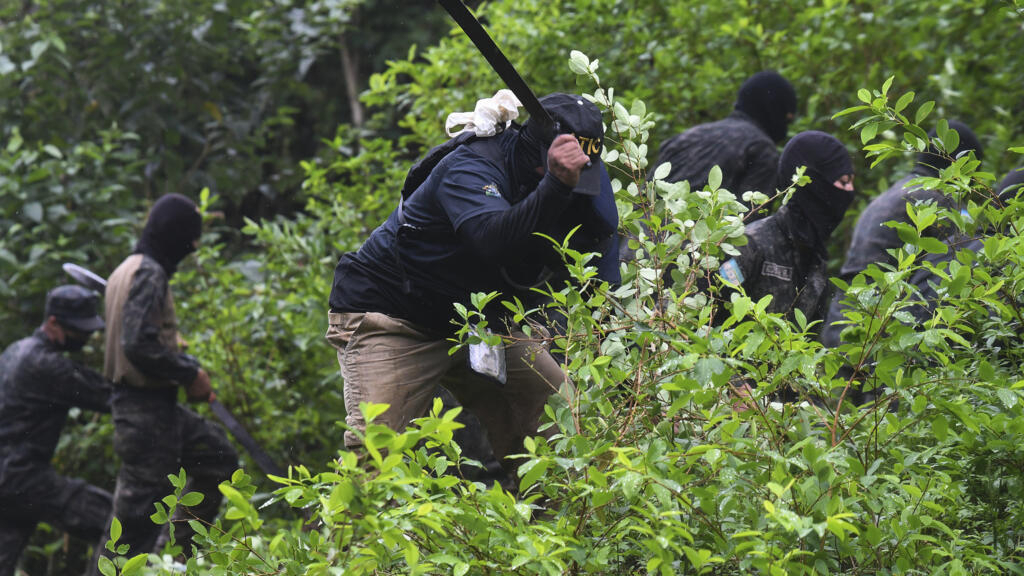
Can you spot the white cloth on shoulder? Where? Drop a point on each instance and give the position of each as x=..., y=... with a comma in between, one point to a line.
x=491, y=116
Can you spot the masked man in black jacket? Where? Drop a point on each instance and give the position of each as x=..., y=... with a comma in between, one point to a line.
x=468, y=227
x=872, y=240
x=743, y=145
x=38, y=384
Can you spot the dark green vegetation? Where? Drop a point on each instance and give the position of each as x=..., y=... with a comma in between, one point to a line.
x=106, y=106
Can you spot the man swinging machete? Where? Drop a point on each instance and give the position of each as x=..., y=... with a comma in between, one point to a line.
x=466, y=223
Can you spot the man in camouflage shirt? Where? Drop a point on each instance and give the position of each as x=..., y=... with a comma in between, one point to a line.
x=153, y=434
x=785, y=254
x=38, y=384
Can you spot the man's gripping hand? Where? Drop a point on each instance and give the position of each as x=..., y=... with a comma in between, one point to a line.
x=200, y=390
x=566, y=159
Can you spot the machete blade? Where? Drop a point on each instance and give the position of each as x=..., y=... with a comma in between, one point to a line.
x=261, y=458
x=85, y=277
x=496, y=58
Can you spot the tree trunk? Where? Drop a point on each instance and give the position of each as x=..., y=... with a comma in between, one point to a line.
x=350, y=71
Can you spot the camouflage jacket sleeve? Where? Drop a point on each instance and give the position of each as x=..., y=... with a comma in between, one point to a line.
x=70, y=383
x=140, y=333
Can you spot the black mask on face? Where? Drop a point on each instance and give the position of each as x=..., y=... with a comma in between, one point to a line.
x=73, y=341
x=526, y=155
x=818, y=207
x=931, y=162
x=173, y=226
x=768, y=99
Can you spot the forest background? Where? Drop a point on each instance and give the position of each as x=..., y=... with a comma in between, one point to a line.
x=299, y=120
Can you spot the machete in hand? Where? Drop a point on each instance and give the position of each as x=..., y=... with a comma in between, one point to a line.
x=501, y=65
x=93, y=281
x=496, y=58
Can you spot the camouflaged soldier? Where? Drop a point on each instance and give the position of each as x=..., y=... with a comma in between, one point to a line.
x=154, y=435
x=38, y=384
x=786, y=253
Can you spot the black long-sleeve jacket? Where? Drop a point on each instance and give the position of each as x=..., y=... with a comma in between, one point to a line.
x=747, y=156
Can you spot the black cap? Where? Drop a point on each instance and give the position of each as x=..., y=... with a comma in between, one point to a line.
x=74, y=307
x=580, y=117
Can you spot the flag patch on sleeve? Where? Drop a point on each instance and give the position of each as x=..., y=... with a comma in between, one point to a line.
x=731, y=271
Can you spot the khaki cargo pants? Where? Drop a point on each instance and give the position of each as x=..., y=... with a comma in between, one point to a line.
x=390, y=361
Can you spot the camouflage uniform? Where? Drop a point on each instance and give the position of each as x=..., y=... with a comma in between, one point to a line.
x=154, y=435
x=773, y=263
x=37, y=386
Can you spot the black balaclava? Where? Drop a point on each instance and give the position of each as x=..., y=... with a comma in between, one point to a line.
x=173, y=226
x=526, y=155
x=1009, y=186
x=818, y=207
x=74, y=343
x=929, y=163
x=768, y=98
x=574, y=115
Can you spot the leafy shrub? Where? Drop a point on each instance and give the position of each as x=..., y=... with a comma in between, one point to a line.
x=654, y=469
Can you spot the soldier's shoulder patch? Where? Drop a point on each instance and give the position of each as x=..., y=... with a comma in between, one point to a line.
x=730, y=270
x=492, y=190
x=777, y=271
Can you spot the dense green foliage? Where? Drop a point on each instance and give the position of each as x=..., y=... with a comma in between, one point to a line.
x=654, y=470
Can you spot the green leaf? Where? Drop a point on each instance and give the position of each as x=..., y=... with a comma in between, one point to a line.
x=115, y=530
x=850, y=110
x=578, y=62
x=864, y=95
x=630, y=484
x=1009, y=398
x=903, y=102
x=371, y=410
x=951, y=140
x=341, y=495
x=531, y=472
x=38, y=47
x=107, y=567
x=135, y=565
x=887, y=85
x=715, y=177
x=924, y=111
x=933, y=245
x=191, y=499
x=53, y=151
x=868, y=133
